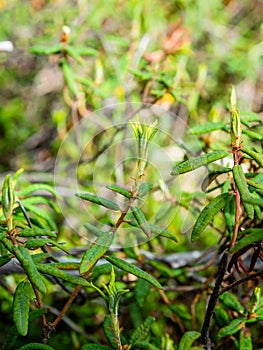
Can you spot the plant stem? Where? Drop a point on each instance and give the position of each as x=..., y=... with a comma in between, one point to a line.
x=205, y=339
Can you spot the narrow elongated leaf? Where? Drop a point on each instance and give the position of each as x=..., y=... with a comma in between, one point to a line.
x=187, y=340
x=194, y=163
x=86, y=51
x=36, y=346
x=40, y=242
x=96, y=251
x=95, y=347
x=251, y=235
x=44, y=50
x=108, y=329
x=93, y=229
x=232, y=302
x=241, y=184
x=103, y=269
x=255, y=185
x=250, y=117
x=207, y=127
x=134, y=270
x=162, y=232
x=34, y=232
x=141, y=220
x=98, y=200
x=255, y=155
x=70, y=78
x=208, y=213
x=8, y=197
x=142, y=331
x=232, y=328
x=37, y=258
x=230, y=213
x=253, y=201
x=221, y=317
x=21, y=307
x=53, y=271
x=66, y=265
x=74, y=53
x=123, y=191
x=37, y=188
x=253, y=134
x=29, y=267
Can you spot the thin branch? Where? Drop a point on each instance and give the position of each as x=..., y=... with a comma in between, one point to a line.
x=242, y=280
x=205, y=339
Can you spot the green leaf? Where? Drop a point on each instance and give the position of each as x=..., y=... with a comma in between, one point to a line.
x=231, y=301
x=136, y=271
x=187, y=340
x=194, y=163
x=96, y=251
x=212, y=175
x=145, y=188
x=93, y=229
x=66, y=265
x=221, y=317
x=253, y=134
x=74, y=53
x=40, y=242
x=21, y=307
x=207, y=127
x=70, y=78
x=123, y=191
x=109, y=331
x=245, y=341
x=241, y=184
x=36, y=188
x=95, y=347
x=86, y=51
x=250, y=236
x=253, y=201
x=141, y=220
x=255, y=155
x=208, y=213
x=162, y=232
x=29, y=267
x=230, y=214
x=33, y=232
x=36, y=346
x=37, y=258
x=97, y=271
x=8, y=197
x=232, y=328
x=12, y=334
x=98, y=200
x=142, y=331
x=53, y=271
x=46, y=50
x=250, y=117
